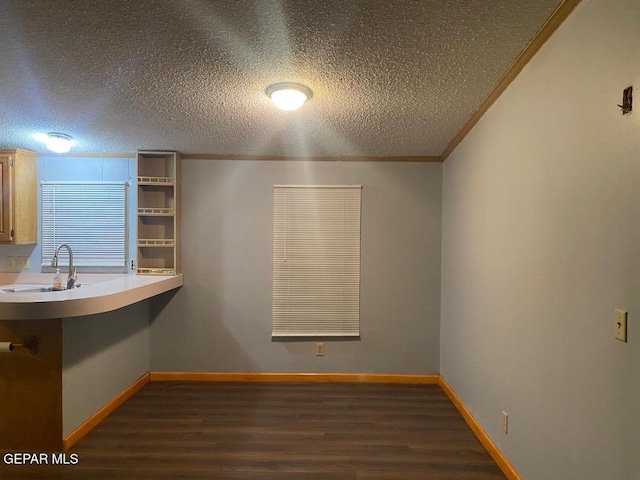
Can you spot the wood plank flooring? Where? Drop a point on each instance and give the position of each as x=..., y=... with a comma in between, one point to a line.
x=277, y=431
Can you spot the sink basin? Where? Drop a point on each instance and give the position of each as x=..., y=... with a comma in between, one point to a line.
x=32, y=289
x=29, y=289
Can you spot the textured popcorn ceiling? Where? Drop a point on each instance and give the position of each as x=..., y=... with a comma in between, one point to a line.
x=390, y=77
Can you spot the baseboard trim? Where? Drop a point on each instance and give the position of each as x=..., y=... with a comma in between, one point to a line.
x=479, y=432
x=93, y=421
x=293, y=377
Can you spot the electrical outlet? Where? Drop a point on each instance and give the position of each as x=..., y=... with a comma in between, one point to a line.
x=11, y=263
x=134, y=265
x=319, y=349
x=505, y=422
x=620, y=327
x=22, y=263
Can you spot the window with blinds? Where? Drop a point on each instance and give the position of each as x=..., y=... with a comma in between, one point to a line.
x=89, y=216
x=316, y=260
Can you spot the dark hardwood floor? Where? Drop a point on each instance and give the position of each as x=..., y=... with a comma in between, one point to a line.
x=223, y=431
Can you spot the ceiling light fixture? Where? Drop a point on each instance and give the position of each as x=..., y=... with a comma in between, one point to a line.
x=288, y=96
x=58, y=142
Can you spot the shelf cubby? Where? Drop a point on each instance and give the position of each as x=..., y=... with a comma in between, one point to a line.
x=156, y=195
x=157, y=165
x=156, y=226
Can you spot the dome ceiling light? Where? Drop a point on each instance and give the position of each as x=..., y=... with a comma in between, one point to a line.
x=288, y=95
x=58, y=142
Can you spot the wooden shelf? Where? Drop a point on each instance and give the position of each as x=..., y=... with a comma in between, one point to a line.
x=158, y=213
x=156, y=271
x=155, y=242
x=165, y=181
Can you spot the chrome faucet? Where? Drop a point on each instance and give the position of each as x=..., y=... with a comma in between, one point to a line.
x=73, y=272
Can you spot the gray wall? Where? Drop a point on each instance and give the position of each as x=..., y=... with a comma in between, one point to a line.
x=102, y=356
x=541, y=243
x=220, y=320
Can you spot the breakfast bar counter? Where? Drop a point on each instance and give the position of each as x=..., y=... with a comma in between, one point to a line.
x=98, y=293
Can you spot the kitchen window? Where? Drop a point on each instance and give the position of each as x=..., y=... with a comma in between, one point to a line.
x=89, y=216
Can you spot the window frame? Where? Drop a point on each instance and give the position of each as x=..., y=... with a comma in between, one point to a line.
x=105, y=204
x=316, y=260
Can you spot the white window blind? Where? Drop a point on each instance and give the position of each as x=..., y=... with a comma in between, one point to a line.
x=91, y=217
x=316, y=260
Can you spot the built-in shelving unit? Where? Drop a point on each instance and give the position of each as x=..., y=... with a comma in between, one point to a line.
x=158, y=213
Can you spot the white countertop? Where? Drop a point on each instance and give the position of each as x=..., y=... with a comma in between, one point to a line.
x=98, y=293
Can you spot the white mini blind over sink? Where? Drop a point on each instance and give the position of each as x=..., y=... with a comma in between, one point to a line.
x=316, y=260
x=89, y=216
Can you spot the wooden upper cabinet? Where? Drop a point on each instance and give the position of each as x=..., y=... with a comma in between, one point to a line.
x=18, y=208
